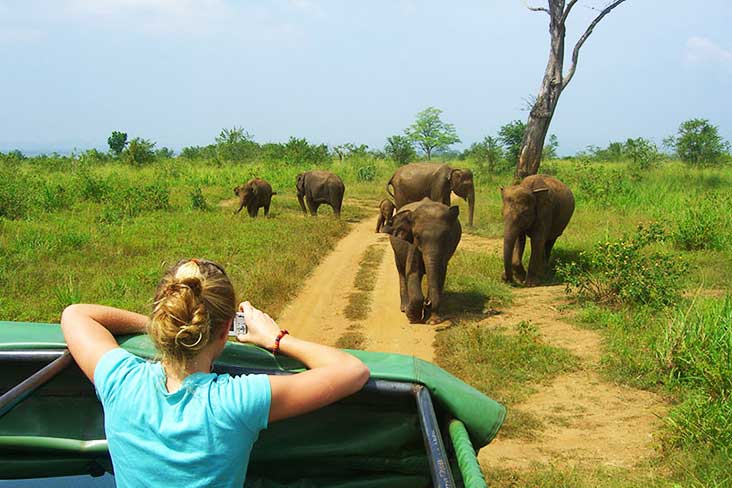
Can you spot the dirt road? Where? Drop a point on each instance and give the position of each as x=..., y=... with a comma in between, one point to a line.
x=317, y=313
x=586, y=420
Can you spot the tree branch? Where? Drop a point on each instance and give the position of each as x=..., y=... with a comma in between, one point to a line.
x=581, y=41
x=567, y=10
x=537, y=9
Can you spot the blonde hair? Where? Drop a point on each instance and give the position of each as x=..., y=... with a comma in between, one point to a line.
x=193, y=302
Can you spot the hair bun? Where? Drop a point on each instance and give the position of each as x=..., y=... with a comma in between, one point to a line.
x=194, y=284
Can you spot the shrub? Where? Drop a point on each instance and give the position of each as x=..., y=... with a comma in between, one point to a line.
x=54, y=197
x=400, y=149
x=366, y=173
x=139, y=152
x=626, y=272
x=643, y=154
x=701, y=224
x=132, y=201
x=198, y=201
x=14, y=195
x=599, y=184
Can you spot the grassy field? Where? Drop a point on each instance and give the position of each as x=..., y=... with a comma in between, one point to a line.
x=666, y=325
x=74, y=231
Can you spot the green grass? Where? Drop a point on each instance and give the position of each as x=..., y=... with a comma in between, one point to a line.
x=506, y=366
x=73, y=231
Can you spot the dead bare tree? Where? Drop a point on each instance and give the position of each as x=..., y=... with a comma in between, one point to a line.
x=554, y=82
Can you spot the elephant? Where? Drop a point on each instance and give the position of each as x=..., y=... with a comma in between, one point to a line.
x=539, y=207
x=415, y=181
x=254, y=194
x=317, y=187
x=424, y=236
x=386, y=213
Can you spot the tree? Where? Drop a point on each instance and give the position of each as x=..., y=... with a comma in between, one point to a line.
x=487, y=153
x=642, y=153
x=139, y=152
x=400, y=149
x=117, y=142
x=511, y=136
x=164, y=153
x=698, y=143
x=235, y=144
x=550, y=150
x=429, y=132
x=554, y=81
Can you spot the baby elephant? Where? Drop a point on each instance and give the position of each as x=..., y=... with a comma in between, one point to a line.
x=424, y=236
x=254, y=194
x=539, y=208
x=386, y=212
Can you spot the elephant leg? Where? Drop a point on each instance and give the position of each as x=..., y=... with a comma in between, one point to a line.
x=536, y=262
x=518, y=256
x=302, y=204
x=337, y=207
x=415, y=271
x=379, y=222
x=548, y=249
x=266, y=210
x=312, y=206
x=399, y=259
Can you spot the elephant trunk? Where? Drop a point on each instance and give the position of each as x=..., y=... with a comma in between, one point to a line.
x=471, y=207
x=509, y=241
x=435, y=269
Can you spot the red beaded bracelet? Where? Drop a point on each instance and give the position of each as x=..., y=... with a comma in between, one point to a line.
x=279, y=337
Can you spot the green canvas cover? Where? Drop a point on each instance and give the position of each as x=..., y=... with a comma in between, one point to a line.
x=365, y=440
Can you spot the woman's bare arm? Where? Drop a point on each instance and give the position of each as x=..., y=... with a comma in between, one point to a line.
x=332, y=374
x=89, y=331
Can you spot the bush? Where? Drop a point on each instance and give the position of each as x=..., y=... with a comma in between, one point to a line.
x=626, y=272
x=400, y=149
x=54, y=197
x=198, y=201
x=643, y=154
x=132, y=201
x=701, y=224
x=139, y=152
x=14, y=196
x=599, y=184
x=366, y=173
x=300, y=152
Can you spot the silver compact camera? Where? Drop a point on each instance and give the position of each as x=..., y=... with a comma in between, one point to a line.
x=238, y=325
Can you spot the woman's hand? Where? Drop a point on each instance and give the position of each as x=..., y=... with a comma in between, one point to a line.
x=262, y=330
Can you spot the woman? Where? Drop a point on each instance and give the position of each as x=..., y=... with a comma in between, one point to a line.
x=173, y=422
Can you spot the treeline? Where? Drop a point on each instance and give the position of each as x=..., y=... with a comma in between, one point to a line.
x=696, y=142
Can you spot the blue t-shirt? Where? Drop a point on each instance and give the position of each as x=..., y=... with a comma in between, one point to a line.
x=200, y=435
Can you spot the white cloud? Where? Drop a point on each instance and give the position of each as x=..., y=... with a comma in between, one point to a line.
x=700, y=50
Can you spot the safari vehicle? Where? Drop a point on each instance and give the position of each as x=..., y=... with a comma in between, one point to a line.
x=412, y=425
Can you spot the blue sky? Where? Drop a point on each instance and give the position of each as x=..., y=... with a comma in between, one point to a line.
x=177, y=71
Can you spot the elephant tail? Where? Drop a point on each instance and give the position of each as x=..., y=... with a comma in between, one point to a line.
x=388, y=183
x=274, y=193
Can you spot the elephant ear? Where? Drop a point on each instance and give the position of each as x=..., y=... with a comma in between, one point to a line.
x=300, y=185
x=402, y=226
x=454, y=177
